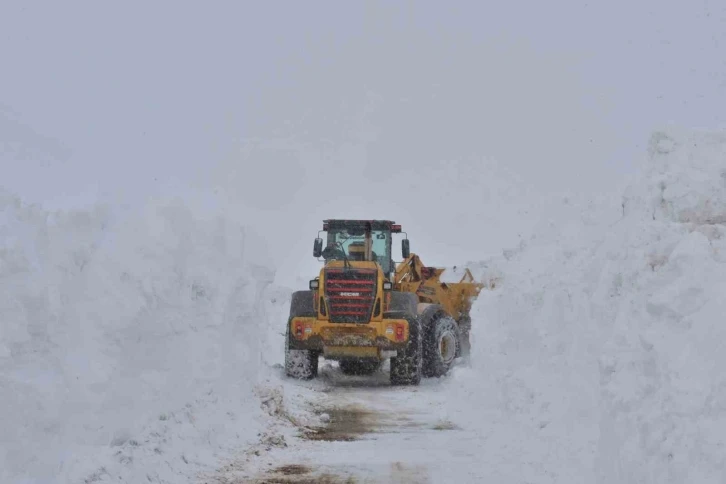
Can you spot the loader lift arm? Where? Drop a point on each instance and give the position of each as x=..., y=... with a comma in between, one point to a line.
x=456, y=297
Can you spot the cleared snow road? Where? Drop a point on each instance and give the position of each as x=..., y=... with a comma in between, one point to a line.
x=375, y=433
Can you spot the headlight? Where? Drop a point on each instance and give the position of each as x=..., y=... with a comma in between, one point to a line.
x=314, y=284
x=387, y=286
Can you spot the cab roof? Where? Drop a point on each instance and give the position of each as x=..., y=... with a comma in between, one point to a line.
x=361, y=224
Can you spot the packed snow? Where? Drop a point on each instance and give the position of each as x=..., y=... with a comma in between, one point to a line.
x=131, y=341
x=143, y=344
x=599, y=357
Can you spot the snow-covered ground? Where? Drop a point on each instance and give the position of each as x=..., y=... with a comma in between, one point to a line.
x=362, y=430
x=143, y=344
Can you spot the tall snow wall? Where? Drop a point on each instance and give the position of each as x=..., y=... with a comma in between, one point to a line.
x=118, y=325
x=599, y=355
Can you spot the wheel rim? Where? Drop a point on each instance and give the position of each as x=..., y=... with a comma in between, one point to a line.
x=447, y=347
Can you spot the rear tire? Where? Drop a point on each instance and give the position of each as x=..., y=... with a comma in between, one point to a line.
x=440, y=345
x=300, y=364
x=359, y=366
x=406, y=366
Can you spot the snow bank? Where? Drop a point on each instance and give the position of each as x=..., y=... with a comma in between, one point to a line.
x=128, y=340
x=600, y=356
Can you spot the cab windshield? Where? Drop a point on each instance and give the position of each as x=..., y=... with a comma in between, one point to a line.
x=353, y=244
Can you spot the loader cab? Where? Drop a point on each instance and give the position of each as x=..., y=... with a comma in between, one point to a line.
x=358, y=240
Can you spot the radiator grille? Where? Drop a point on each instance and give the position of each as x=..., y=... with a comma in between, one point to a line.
x=350, y=294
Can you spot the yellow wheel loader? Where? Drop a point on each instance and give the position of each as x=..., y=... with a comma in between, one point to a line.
x=362, y=309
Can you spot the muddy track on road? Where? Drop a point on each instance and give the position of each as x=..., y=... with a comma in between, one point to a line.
x=368, y=432
x=299, y=474
x=347, y=423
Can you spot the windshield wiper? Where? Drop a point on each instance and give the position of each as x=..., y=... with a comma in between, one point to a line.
x=346, y=262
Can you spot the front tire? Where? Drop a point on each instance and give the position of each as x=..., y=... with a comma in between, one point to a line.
x=440, y=346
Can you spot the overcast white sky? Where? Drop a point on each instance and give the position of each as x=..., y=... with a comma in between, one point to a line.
x=438, y=115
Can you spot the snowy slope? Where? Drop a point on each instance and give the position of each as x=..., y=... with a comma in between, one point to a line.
x=137, y=343
x=600, y=357
x=131, y=341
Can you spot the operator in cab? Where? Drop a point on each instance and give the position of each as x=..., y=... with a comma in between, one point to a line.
x=332, y=252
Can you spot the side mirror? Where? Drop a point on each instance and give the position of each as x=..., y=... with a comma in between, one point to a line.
x=318, y=248
x=405, y=248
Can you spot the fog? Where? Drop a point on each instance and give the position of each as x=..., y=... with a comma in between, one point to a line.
x=438, y=117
